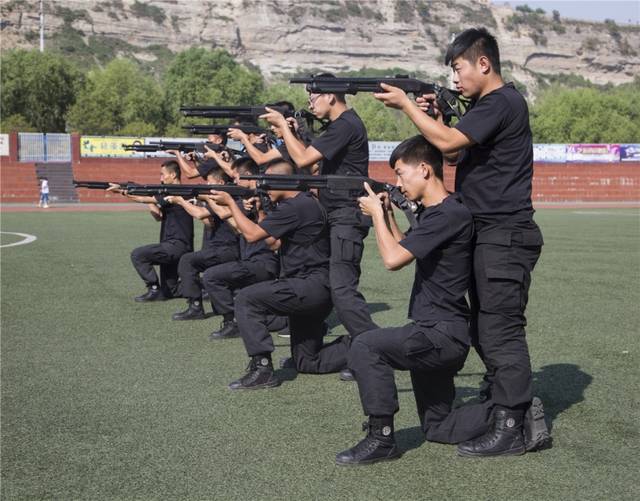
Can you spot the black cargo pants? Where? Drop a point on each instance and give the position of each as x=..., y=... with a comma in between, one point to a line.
x=307, y=302
x=348, y=229
x=166, y=254
x=193, y=263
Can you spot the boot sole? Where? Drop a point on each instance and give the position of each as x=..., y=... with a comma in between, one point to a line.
x=370, y=461
x=189, y=318
x=538, y=428
x=518, y=451
x=257, y=387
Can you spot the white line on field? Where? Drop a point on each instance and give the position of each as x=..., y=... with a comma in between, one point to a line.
x=26, y=240
x=602, y=213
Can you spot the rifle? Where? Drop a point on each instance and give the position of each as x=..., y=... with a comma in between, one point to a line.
x=448, y=100
x=353, y=185
x=99, y=185
x=242, y=113
x=185, y=147
x=251, y=114
x=223, y=129
x=187, y=190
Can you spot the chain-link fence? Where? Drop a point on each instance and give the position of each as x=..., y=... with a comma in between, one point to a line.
x=37, y=147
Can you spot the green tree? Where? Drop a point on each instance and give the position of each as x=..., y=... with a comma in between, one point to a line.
x=40, y=87
x=117, y=98
x=382, y=123
x=199, y=76
x=588, y=115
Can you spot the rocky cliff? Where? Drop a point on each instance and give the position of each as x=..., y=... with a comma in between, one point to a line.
x=287, y=36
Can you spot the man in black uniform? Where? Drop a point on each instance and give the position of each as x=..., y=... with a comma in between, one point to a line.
x=297, y=226
x=219, y=245
x=435, y=345
x=176, y=239
x=191, y=167
x=343, y=150
x=494, y=152
x=257, y=263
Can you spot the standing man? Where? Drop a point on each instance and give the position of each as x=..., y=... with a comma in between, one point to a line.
x=343, y=150
x=493, y=146
x=176, y=239
x=434, y=346
x=297, y=228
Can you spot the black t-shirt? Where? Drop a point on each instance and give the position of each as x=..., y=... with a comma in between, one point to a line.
x=284, y=153
x=300, y=223
x=494, y=175
x=345, y=152
x=256, y=251
x=177, y=223
x=219, y=234
x=442, y=246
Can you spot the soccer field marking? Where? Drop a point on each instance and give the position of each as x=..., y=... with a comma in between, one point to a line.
x=602, y=213
x=26, y=240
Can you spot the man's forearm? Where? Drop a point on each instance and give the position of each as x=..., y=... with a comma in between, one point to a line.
x=250, y=230
x=393, y=255
x=295, y=148
x=447, y=140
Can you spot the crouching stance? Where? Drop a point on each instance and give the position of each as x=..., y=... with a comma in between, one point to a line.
x=176, y=239
x=434, y=346
x=297, y=226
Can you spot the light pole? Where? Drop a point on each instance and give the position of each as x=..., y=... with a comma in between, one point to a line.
x=41, y=25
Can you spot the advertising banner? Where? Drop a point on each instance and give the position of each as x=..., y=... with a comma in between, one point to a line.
x=550, y=153
x=380, y=151
x=593, y=153
x=630, y=152
x=108, y=146
x=4, y=145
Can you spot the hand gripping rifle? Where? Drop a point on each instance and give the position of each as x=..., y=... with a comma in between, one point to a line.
x=353, y=185
x=448, y=100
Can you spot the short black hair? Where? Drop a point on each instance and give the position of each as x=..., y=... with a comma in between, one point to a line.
x=339, y=97
x=172, y=166
x=417, y=149
x=473, y=43
x=245, y=166
x=218, y=173
x=281, y=167
x=284, y=104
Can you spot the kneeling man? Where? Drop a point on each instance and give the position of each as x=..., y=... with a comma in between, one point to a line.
x=434, y=346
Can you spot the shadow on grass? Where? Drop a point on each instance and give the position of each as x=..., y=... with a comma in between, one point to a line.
x=558, y=385
x=409, y=438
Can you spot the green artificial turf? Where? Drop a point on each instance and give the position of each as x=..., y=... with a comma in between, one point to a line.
x=104, y=398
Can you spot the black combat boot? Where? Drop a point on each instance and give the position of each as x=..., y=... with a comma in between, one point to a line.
x=194, y=311
x=504, y=437
x=259, y=375
x=378, y=445
x=228, y=329
x=153, y=294
x=536, y=433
